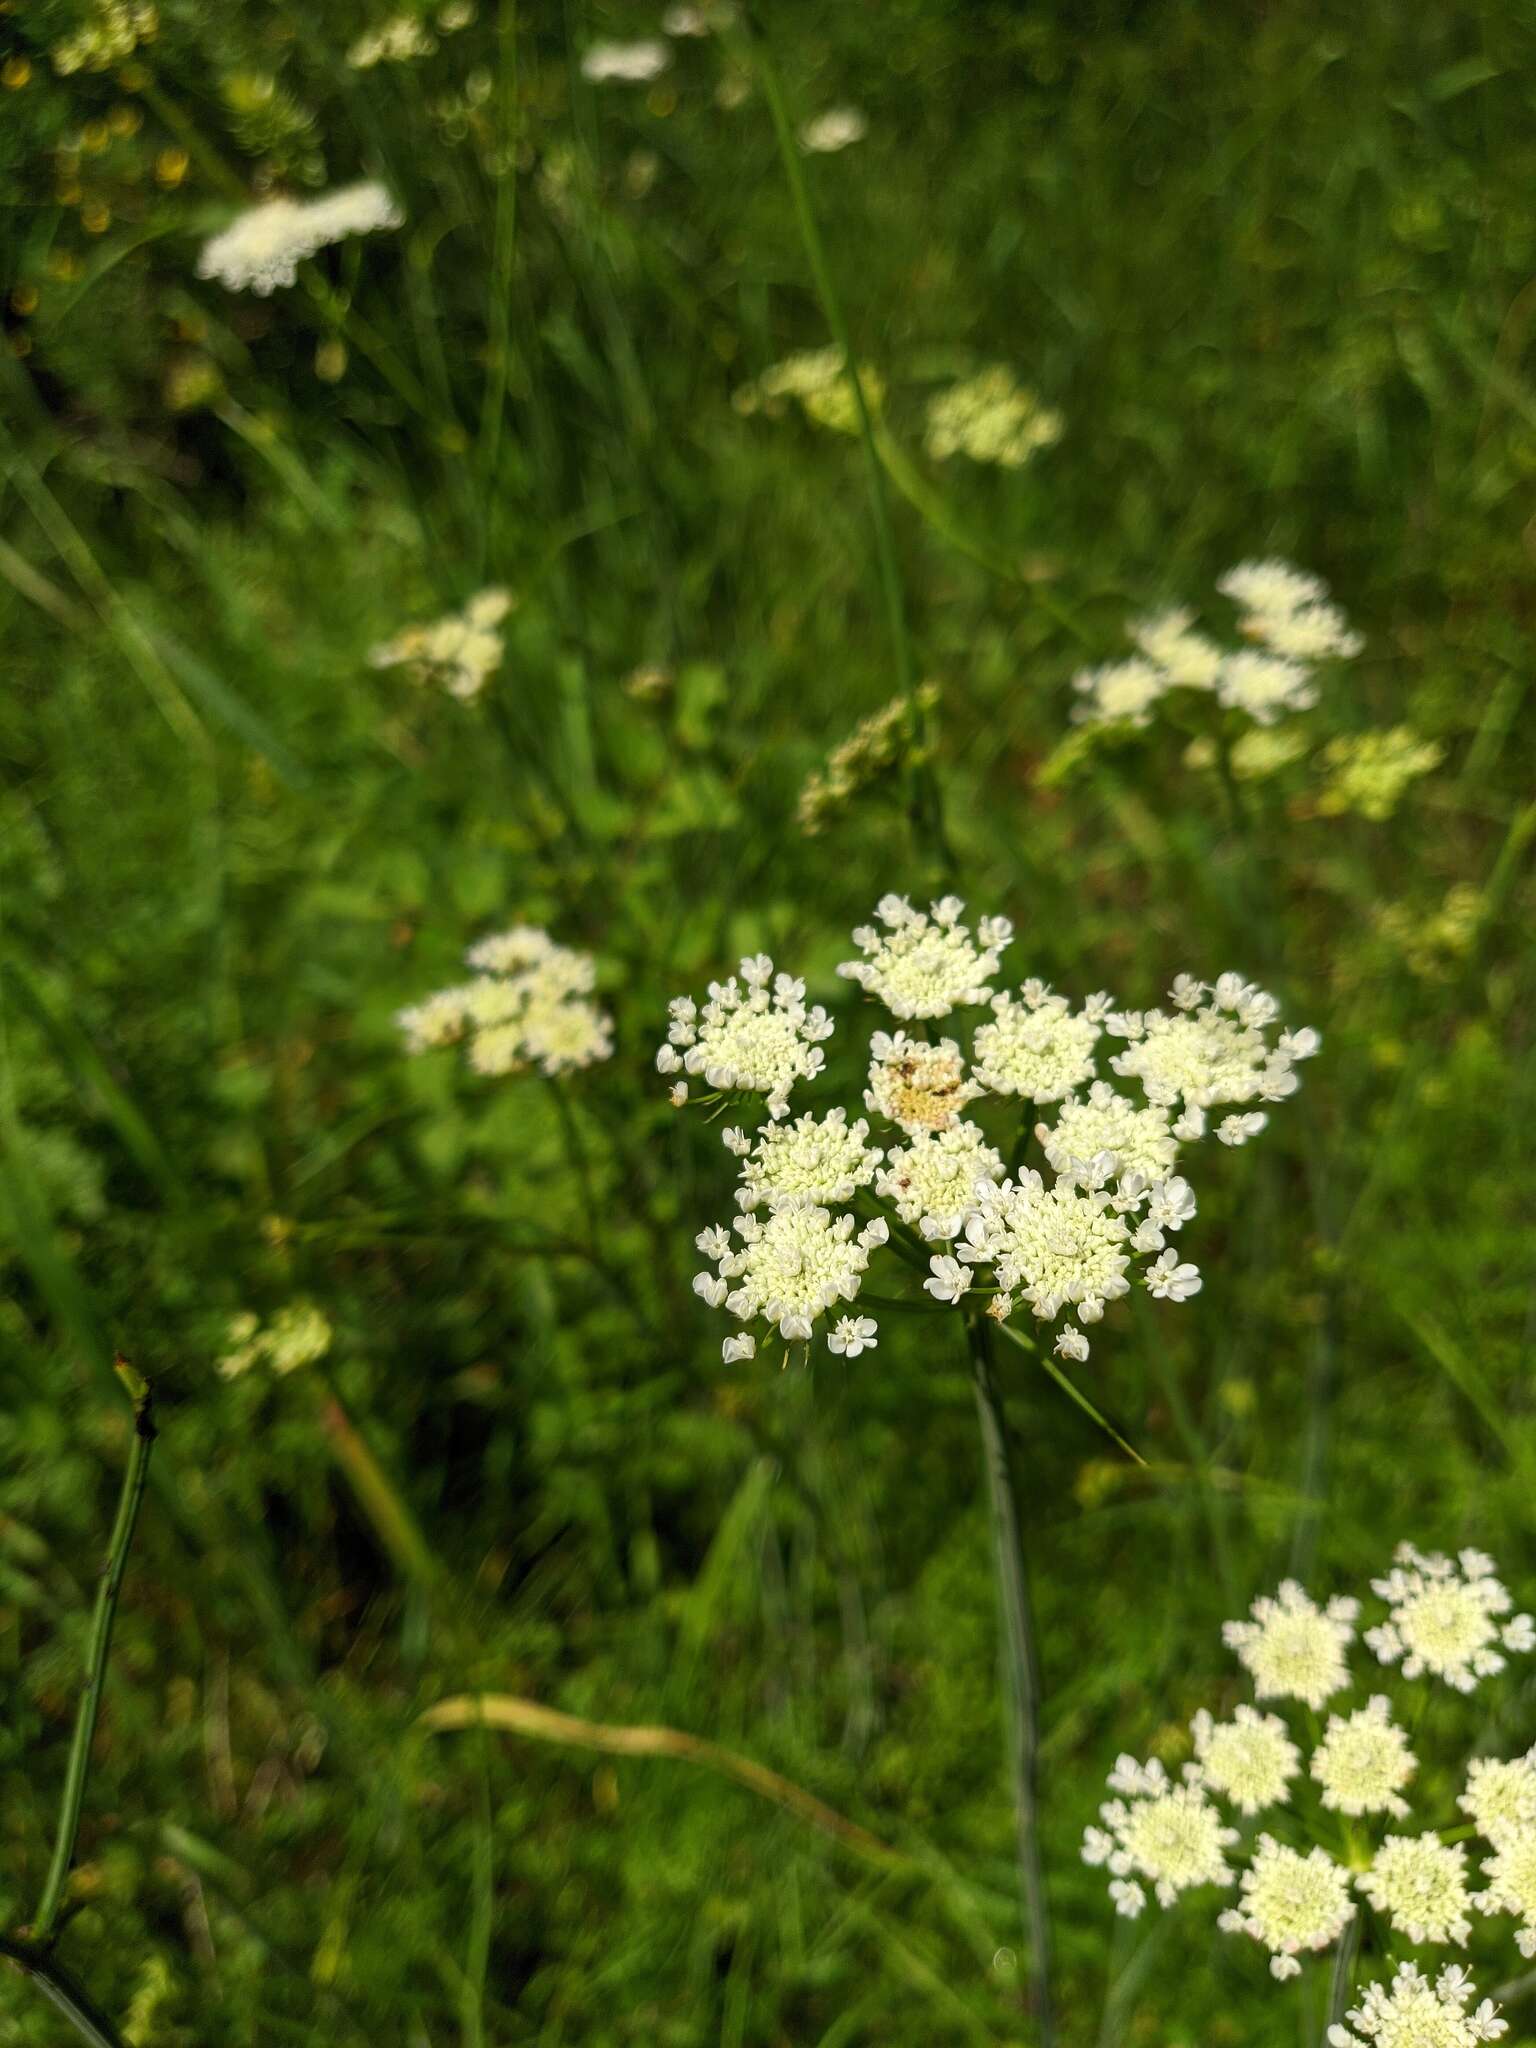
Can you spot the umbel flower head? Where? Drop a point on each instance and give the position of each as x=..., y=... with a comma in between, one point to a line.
x=459, y=653
x=263, y=247
x=990, y=418
x=1296, y=1896
x=1445, y=1618
x=927, y=1155
x=1285, y=618
x=529, y=1005
x=817, y=379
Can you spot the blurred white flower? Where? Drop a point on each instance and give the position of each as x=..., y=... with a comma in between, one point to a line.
x=263, y=247
x=629, y=63
x=836, y=129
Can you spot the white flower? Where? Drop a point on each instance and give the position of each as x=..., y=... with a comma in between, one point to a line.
x=749, y=1036
x=1420, y=1884
x=262, y=248
x=710, y=1289
x=1167, y=1280
x=1167, y=1833
x=1363, y=1762
x=736, y=1348
x=833, y=130
x=459, y=653
x=989, y=417
x=1218, y=1053
x=792, y=1265
x=1036, y=1046
x=1290, y=1904
x=813, y=1159
x=1141, y=1139
x=1293, y=1648
x=1501, y=1796
x=1444, y=1618
x=1417, y=2014
x=1070, y=1343
x=1264, y=685
x=853, y=1334
x=925, y=965
x=1188, y=660
x=1250, y=1759
x=1119, y=691
x=1318, y=632
x=1237, y=1130
x=921, y=1086
x=1272, y=588
x=528, y=1007
x=1054, y=1246
x=1511, y=1875
x=931, y=1181
x=677, y=1094
x=631, y=63
x=950, y=1279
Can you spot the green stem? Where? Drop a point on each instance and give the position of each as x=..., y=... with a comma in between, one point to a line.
x=1343, y=1973
x=1021, y=1672
x=62, y=1992
x=502, y=252
x=134, y=1481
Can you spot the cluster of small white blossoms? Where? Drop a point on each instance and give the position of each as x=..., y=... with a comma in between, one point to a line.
x=460, y=652
x=1284, y=614
x=264, y=246
x=528, y=1005
x=1066, y=1240
x=817, y=379
x=625, y=63
x=838, y=128
x=297, y=1335
x=1448, y=1620
x=990, y=418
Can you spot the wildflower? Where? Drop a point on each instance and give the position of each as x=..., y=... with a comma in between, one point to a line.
x=949, y=1279
x=1317, y=632
x=1187, y=659
x=1261, y=751
x=1501, y=1796
x=749, y=1036
x=931, y=1181
x=264, y=246
x=1264, y=685
x=990, y=418
x=1420, y=1884
x=836, y=129
x=113, y=31
x=1237, y=1130
x=1167, y=1280
x=1511, y=1875
x=1036, y=1046
x=926, y=964
x=1292, y=1647
x=1052, y=1246
x=459, y=652
x=1070, y=1343
x=1161, y=1831
x=298, y=1335
x=792, y=1265
x=1369, y=771
x=630, y=63
x=1443, y=1618
x=1363, y=1762
x=876, y=745
x=916, y=1083
x=1250, y=1759
x=1124, y=691
x=1290, y=1903
x=1141, y=1139
x=734, y=1349
x=1271, y=588
x=1218, y=1053
x=852, y=1335
x=396, y=41
x=814, y=1159
x=1416, y=2013
x=817, y=378
x=528, y=1006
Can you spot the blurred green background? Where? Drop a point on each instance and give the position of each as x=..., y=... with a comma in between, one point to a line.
x=1276, y=270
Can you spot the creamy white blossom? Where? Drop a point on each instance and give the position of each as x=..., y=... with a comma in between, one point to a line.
x=1266, y=686
x=528, y=1006
x=1037, y=1045
x=1414, y=2012
x=1363, y=1762
x=754, y=1035
x=1501, y=1796
x=1446, y=1618
x=814, y=1159
x=989, y=418
x=836, y=129
x=1292, y=1648
x=1217, y=1053
x=1420, y=1884
x=925, y=964
x=1290, y=1903
x=853, y=1335
x=1119, y=692
x=1271, y=588
x=790, y=1267
x=1250, y=1759
x=1053, y=1247
x=1186, y=658
x=262, y=248
x=931, y=1181
x=1140, y=1137
x=1511, y=1878
x=628, y=63
x=459, y=653
x=1160, y=1832
x=921, y=1085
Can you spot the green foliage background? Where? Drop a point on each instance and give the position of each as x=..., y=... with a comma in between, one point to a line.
x=1274, y=266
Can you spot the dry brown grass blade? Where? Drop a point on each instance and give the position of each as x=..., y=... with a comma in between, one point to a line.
x=519, y=1716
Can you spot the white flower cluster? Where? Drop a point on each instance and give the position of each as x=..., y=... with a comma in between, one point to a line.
x=263, y=247
x=625, y=63
x=991, y=418
x=838, y=128
x=1169, y=1834
x=1063, y=1240
x=528, y=1006
x=459, y=653
x=1284, y=613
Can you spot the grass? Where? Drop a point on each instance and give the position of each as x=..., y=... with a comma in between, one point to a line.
x=1274, y=268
